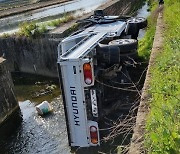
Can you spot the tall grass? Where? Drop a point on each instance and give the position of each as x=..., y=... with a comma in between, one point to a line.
x=145, y=44
x=32, y=29
x=163, y=125
x=58, y=22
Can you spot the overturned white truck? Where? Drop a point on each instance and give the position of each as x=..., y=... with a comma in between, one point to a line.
x=88, y=59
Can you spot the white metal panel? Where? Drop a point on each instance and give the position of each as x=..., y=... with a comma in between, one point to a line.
x=115, y=27
x=75, y=104
x=84, y=47
x=69, y=42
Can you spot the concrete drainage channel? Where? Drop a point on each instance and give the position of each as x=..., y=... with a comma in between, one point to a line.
x=47, y=135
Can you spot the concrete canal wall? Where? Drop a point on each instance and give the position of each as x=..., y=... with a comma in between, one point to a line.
x=39, y=56
x=36, y=56
x=8, y=102
x=122, y=7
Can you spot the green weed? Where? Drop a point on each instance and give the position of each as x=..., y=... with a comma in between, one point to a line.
x=145, y=44
x=60, y=21
x=5, y=35
x=27, y=29
x=33, y=30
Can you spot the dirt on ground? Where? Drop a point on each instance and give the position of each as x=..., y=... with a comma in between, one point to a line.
x=137, y=142
x=28, y=7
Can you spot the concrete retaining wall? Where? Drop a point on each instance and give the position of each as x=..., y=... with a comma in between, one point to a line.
x=8, y=102
x=36, y=56
x=123, y=7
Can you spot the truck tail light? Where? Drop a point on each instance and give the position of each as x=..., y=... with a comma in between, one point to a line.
x=87, y=73
x=94, y=134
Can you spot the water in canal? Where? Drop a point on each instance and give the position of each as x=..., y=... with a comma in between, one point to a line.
x=43, y=135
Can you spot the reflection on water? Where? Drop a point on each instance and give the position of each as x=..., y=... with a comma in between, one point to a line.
x=38, y=134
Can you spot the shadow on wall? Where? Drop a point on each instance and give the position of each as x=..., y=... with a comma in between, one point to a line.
x=8, y=102
x=124, y=7
x=36, y=56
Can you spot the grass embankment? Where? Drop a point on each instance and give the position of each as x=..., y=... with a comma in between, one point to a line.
x=163, y=124
x=32, y=29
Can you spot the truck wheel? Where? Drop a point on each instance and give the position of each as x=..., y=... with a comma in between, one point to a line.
x=125, y=45
x=134, y=25
x=117, y=51
x=139, y=21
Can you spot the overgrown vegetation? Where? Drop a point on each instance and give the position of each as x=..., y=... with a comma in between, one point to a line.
x=32, y=29
x=163, y=125
x=57, y=22
x=145, y=45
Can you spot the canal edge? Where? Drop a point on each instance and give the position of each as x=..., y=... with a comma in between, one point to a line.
x=137, y=141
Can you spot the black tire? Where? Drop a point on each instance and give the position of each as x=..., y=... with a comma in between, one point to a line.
x=117, y=51
x=133, y=30
x=125, y=45
x=139, y=21
x=109, y=54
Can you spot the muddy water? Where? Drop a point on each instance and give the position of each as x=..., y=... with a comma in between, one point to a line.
x=35, y=88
